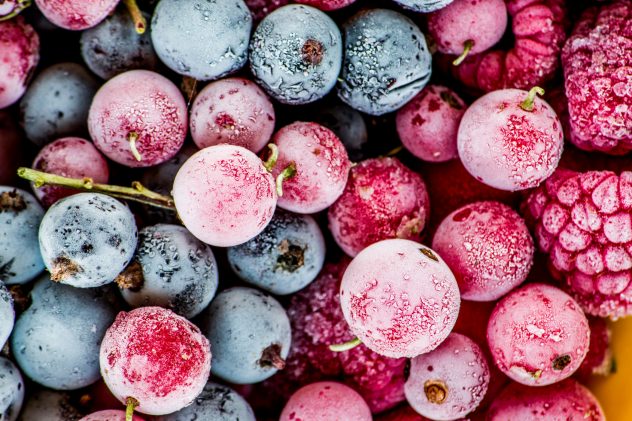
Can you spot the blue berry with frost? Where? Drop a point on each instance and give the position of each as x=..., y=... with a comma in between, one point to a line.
x=11, y=390
x=7, y=314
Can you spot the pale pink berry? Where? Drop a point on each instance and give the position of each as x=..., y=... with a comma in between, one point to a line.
x=19, y=55
x=109, y=415
x=326, y=401
x=76, y=15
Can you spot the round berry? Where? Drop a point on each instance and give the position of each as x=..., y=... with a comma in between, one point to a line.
x=109, y=415
x=50, y=405
x=325, y=401
x=75, y=15
x=11, y=390
x=423, y=6
x=19, y=55
x=7, y=314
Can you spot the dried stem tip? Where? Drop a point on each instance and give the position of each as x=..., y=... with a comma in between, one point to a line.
x=527, y=104
x=436, y=391
x=467, y=47
x=137, y=16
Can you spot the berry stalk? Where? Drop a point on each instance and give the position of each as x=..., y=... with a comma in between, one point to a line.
x=346, y=346
x=467, y=47
x=21, y=5
x=129, y=410
x=527, y=104
x=137, y=16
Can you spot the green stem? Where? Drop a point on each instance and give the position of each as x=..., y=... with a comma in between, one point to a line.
x=345, y=346
x=467, y=47
x=527, y=104
x=288, y=172
x=137, y=16
x=132, y=137
x=395, y=151
x=129, y=410
x=21, y=5
x=272, y=159
x=137, y=192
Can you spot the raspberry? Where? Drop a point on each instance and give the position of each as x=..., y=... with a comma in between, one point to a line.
x=584, y=221
x=597, y=62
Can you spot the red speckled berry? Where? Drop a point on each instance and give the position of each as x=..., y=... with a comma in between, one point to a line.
x=505, y=144
x=262, y=8
x=109, y=415
x=599, y=361
x=234, y=111
x=156, y=357
x=69, y=157
x=597, y=61
x=138, y=119
x=567, y=400
x=488, y=247
x=538, y=335
x=327, y=5
x=19, y=55
x=322, y=167
x=76, y=15
x=428, y=124
x=326, y=401
x=383, y=199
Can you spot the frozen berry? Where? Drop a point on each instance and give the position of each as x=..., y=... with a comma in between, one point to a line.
x=347, y=123
x=423, y=6
x=399, y=298
x=76, y=15
x=50, y=405
x=138, y=119
x=109, y=415
x=262, y=8
x=428, y=124
x=510, y=139
x=488, y=247
x=327, y=5
x=7, y=314
x=325, y=401
x=19, y=55
x=599, y=361
x=154, y=360
x=382, y=199
x=538, y=335
x=233, y=111
x=11, y=390
x=224, y=195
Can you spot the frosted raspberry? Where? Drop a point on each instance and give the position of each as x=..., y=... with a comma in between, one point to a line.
x=597, y=61
x=599, y=360
x=584, y=222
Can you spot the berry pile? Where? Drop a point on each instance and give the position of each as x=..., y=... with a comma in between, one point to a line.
x=335, y=210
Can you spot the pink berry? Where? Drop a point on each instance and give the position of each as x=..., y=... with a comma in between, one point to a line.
x=109, y=415
x=19, y=55
x=10, y=148
x=599, y=361
x=383, y=199
x=469, y=25
x=510, y=139
x=567, y=400
x=326, y=401
x=234, y=111
x=327, y=5
x=138, y=119
x=399, y=298
x=224, y=195
x=321, y=162
x=262, y=8
x=427, y=125
x=76, y=15
x=69, y=157
x=403, y=413
x=156, y=357
x=538, y=335
x=450, y=381
x=488, y=247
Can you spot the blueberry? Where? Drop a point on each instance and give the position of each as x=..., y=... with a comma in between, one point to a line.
x=284, y=258
x=11, y=390
x=423, y=6
x=386, y=61
x=296, y=54
x=87, y=239
x=56, y=340
x=7, y=314
x=249, y=333
x=217, y=403
x=56, y=103
x=171, y=269
x=348, y=125
x=49, y=405
x=114, y=46
x=202, y=39
x=20, y=217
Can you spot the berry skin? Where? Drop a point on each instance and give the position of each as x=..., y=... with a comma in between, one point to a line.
x=56, y=340
x=386, y=61
x=262, y=8
x=49, y=405
x=399, y=298
x=10, y=148
x=347, y=124
x=75, y=15
x=450, y=381
x=156, y=357
x=599, y=361
x=234, y=111
x=222, y=30
x=171, y=269
x=109, y=415
x=19, y=55
x=327, y=5
x=507, y=147
x=597, y=62
x=138, y=119
x=538, y=335
x=567, y=400
x=217, y=403
x=488, y=247
x=20, y=218
x=11, y=390
x=284, y=258
x=382, y=199
x=113, y=46
x=87, y=239
x=7, y=314
x=423, y=6
x=321, y=162
x=69, y=157
x=428, y=124
x=296, y=54
x=324, y=401
x=224, y=195
x=249, y=333
x=584, y=222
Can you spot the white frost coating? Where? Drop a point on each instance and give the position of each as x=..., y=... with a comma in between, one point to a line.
x=7, y=314
x=11, y=390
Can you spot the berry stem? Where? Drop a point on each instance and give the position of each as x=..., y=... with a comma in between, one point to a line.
x=467, y=47
x=21, y=5
x=288, y=172
x=132, y=137
x=395, y=151
x=346, y=346
x=136, y=193
x=527, y=104
x=129, y=410
x=137, y=16
x=272, y=159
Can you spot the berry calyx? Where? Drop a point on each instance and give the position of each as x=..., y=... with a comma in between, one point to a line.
x=436, y=391
x=271, y=357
